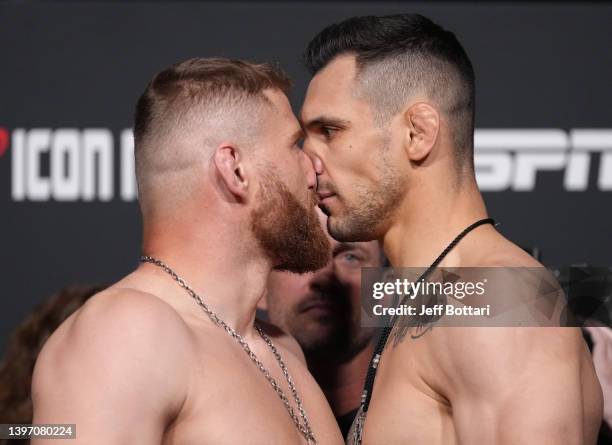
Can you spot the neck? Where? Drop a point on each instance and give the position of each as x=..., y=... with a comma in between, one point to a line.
x=342, y=383
x=229, y=277
x=428, y=219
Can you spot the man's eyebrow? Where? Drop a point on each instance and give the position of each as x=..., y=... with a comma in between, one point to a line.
x=320, y=121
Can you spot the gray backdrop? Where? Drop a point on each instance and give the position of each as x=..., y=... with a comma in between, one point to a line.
x=543, y=79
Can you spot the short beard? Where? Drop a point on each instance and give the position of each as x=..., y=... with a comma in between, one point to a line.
x=289, y=233
x=372, y=212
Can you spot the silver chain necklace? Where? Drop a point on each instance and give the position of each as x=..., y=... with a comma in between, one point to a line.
x=303, y=426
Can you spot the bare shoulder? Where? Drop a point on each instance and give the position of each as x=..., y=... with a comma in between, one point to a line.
x=282, y=340
x=485, y=357
x=502, y=252
x=520, y=289
x=533, y=383
x=507, y=340
x=123, y=317
x=119, y=334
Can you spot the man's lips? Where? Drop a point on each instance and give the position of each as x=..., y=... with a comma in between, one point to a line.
x=319, y=305
x=325, y=195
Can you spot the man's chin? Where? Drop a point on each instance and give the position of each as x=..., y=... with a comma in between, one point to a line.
x=320, y=343
x=328, y=348
x=345, y=228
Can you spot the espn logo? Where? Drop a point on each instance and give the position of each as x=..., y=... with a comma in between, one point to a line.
x=511, y=159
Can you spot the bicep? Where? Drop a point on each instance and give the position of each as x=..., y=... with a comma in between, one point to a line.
x=540, y=412
x=516, y=389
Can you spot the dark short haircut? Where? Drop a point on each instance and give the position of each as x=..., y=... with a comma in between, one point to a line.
x=401, y=55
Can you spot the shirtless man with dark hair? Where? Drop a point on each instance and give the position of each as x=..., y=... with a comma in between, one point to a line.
x=389, y=117
x=171, y=354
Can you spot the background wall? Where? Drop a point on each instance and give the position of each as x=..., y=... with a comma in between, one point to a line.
x=71, y=73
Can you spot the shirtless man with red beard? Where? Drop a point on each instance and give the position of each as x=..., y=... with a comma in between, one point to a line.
x=171, y=354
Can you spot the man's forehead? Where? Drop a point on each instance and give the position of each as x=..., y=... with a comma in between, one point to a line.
x=282, y=113
x=341, y=70
x=279, y=100
x=330, y=89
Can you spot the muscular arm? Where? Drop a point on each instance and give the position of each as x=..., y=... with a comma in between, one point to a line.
x=514, y=386
x=114, y=370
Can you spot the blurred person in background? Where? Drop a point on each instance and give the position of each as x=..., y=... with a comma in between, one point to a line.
x=23, y=348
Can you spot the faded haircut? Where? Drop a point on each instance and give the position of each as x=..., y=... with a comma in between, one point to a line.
x=189, y=107
x=399, y=57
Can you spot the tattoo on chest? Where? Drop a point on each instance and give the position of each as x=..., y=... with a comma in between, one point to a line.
x=403, y=330
x=416, y=326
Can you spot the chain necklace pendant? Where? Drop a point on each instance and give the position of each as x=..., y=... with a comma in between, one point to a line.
x=356, y=432
x=304, y=426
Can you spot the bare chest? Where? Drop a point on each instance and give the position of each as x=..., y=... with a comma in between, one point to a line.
x=231, y=401
x=405, y=409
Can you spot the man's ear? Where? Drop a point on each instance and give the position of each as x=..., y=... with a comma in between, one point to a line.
x=422, y=126
x=229, y=165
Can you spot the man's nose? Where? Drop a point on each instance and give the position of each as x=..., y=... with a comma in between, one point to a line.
x=309, y=171
x=311, y=152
